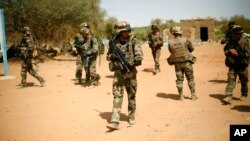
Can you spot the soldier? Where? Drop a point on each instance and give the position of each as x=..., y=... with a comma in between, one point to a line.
x=77, y=44
x=124, y=54
x=27, y=47
x=89, y=52
x=155, y=42
x=181, y=57
x=237, y=59
x=228, y=34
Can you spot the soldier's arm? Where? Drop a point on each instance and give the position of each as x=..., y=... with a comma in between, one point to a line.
x=158, y=40
x=137, y=53
x=94, y=48
x=189, y=45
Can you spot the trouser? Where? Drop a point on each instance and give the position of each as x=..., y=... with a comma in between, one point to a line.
x=156, y=52
x=130, y=85
x=27, y=66
x=91, y=75
x=79, y=67
x=232, y=76
x=181, y=69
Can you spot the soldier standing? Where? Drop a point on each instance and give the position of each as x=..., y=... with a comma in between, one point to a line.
x=181, y=57
x=237, y=59
x=27, y=47
x=155, y=42
x=124, y=54
x=77, y=44
x=89, y=52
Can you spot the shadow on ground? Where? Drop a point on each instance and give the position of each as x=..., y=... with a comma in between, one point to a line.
x=170, y=96
x=241, y=108
x=218, y=81
x=220, y=97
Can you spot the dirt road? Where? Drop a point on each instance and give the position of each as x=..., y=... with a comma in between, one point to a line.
x=63, y=111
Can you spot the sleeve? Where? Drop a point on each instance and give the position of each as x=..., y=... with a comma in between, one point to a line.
x=30, y=43
x=189, y=45
x=138, y=53
x=94, y=48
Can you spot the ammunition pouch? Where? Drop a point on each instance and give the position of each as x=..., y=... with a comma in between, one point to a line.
x=113, y=65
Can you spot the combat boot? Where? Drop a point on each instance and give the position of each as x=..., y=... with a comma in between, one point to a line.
x=22, y=85
x=114, y=125
x=180, y=91
x=243, y=98
x=42, y=83
x=194, y=97
x=131, y=121
x=228, y=99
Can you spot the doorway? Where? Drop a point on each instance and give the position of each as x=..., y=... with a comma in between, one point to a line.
x=204, y=34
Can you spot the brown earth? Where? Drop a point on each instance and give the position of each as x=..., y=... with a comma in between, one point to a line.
x=63, y=111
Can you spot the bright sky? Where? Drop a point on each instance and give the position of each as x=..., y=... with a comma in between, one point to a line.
x=141, y=12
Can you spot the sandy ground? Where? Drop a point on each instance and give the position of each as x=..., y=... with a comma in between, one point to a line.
x=64, y=111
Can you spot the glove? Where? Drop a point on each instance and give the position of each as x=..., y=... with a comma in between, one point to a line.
x=137, y=63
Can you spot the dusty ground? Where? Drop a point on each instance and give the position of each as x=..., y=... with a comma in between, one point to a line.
x=63, y=111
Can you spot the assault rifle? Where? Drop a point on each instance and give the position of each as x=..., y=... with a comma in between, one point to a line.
x=242, y=56
x=122, y=61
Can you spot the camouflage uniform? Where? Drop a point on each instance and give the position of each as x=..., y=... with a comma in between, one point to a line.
x=89, y=55
x=155, y=42
x=180, y=49
x=77, y=44
x=79, y=64
x=132, y=53
x=237, y=65
x=26, y=46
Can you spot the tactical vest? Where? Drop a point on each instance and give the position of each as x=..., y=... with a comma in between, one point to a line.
x=26, y=49
x=179, y=52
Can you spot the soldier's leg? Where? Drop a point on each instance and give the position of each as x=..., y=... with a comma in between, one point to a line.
x=79, y=67
x=190, y=78
x=33, y=73
x=24, y=71
x=131, y=88
x=118, y=92
x=232, y=75
x=243, y=75
x=157, y=59
x=94, y=76
x=179, y=81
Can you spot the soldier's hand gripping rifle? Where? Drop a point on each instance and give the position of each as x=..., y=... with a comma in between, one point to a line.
x=122, y=61
x=242, y=56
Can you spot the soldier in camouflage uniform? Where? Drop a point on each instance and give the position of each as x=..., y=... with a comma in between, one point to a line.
x=131, y=51
x=237, y=59
x=77, y=44
x=155, y=42
x=181, y=57
x=89, y=52
x=27, y=47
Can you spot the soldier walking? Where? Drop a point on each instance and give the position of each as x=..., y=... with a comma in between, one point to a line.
x=77, y=44
x=89, y=52
x=124, y=54
x=237, y=59
x=155, y=42
x=181, y=57
x=27, y=47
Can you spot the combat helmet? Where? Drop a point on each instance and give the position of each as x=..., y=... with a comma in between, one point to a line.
x=26, y=30
x=122, y=26
x=84, y=25
x=154, y=26
x=237, y=29
x=176, y=30
x=84, y=30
